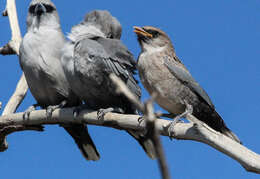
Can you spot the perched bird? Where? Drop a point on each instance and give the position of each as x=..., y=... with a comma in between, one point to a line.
x=40, y=60
x=162, y=72
x=94, y=52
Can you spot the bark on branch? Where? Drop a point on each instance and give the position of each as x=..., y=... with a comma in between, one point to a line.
x=186, y=131
x=12, y=47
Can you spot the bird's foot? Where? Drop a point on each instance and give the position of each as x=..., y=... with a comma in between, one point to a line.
x=188, y=110
x=141, y=120
x=26, y=114
x=170, y=127
x=102, y=112
x=78, y=109
x=50, y=109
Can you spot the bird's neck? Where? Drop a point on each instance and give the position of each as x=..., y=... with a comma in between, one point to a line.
x=146, y=48
x=45, y=22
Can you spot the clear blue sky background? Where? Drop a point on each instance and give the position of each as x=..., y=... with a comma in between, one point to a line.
x=219, y=43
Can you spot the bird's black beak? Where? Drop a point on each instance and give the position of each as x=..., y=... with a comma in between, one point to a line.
x=39, y=9
x=141, y=32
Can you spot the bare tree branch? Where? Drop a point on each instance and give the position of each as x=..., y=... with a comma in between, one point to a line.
x=185, y=131
x=17, y=97
x=12, y=47
x=14, y=44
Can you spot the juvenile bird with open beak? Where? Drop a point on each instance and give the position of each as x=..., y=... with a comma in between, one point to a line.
x=162, y=73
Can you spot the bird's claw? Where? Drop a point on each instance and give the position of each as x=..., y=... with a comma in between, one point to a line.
x=49, y=112
x=26, y=114
x=140, y=120
x=101, y=114
x=170, y=127
x=76, y=112
x=189, y=109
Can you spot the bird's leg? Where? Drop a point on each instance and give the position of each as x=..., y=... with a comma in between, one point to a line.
x=80, y=108
x=50, y=109
x=26, y=114
x=169, y=115
x=188, y=110
x=157, y=115
x=102, y=112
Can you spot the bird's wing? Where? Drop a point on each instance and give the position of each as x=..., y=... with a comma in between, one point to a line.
x=185, y=77
x=118, y=51
x=121, y=62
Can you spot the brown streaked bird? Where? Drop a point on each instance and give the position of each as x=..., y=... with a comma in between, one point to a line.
x=162, y=72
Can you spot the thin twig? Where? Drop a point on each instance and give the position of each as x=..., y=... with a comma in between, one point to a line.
x=122, y=88
x=152, y=130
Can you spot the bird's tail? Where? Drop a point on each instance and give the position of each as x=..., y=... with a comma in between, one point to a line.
x=79, y=133
x=214, y=120
x=145, y=142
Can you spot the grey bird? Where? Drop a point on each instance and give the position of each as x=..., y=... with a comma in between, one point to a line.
x=95, y=52
x=40, y=60
x=162, y=72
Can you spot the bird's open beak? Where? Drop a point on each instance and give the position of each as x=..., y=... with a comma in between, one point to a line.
x=142, y=32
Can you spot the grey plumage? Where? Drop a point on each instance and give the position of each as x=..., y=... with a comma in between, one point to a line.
x=40, y=54
x=162, y=72
x=96, y=54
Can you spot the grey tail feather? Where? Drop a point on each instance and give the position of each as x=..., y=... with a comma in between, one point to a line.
x=145, y=142
x=230, y=134
x=79, y=133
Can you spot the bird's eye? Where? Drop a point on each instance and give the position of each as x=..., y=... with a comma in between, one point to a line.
x=49, y=8
x=31, y=9
x=154, y=33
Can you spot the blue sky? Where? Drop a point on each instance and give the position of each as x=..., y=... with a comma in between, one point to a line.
x=218, y=41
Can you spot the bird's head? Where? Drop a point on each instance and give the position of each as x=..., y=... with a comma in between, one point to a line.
x=151, y=37
x=104, y=21
x=42, y=13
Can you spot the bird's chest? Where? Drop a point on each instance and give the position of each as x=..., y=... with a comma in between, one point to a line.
x=39, y=59
x=40, y=52
x=151, y=70
x=156, y=78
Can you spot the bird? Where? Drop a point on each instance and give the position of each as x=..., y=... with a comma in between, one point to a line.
x=40, y=60
x=96, y=51
x=162, y=73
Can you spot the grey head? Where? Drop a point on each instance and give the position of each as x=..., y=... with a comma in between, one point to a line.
x=104, y=21
x=151, y=37
x=42, y=13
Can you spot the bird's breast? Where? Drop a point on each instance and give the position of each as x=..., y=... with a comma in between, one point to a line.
x=156, y=78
